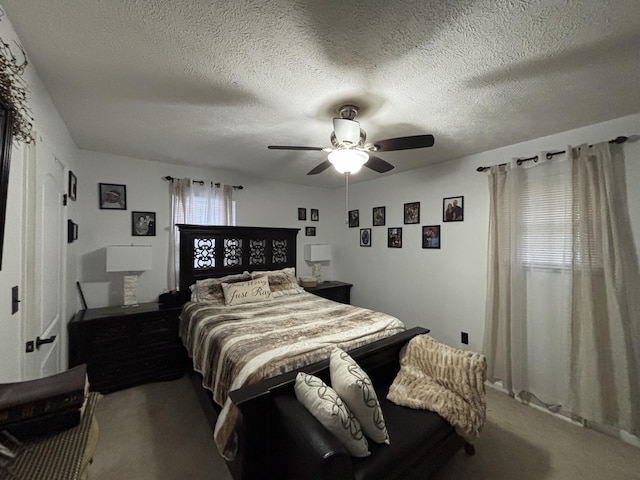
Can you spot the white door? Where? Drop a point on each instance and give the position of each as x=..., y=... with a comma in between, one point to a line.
x=44, y=264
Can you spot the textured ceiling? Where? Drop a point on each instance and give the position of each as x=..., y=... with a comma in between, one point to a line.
x=214, y=82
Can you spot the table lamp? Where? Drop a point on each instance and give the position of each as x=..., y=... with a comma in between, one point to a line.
x=315, y=254
x=129, y=258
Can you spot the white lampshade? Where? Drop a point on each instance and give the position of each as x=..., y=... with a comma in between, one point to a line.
x=317, y=253
x=348, y=161
x=128, y=258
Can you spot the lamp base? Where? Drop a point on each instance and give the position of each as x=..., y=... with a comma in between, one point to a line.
x=130, y=285
x=315, y=271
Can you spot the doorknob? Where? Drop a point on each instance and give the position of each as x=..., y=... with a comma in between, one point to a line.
x=42, y=341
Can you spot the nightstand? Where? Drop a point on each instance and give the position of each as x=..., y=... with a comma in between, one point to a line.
x=333, y=290
x=123, y=347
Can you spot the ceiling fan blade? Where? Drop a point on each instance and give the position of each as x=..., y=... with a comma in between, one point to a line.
x=320, y=168
x=404, y=143
x=287, y=147
x=378, y=165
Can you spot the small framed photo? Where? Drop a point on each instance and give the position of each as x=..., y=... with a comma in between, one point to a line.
x=310, y=231
x=365, y=237
x=113, y=196
x=379, y=216
x=412, y=213
x=354, y=218
x=453, y=209
x=143, y=224
x=302, y=214
x=73, y=186
x=394, y=237
x=72, y=231
x=315, y=215
x=431, y=236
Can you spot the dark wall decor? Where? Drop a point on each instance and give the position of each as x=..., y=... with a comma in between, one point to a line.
x=315, y=215
x=354, y=218
x=365, y=237
x=379, y=216
x=431, y=236
x=6, y=121
x=453, y=209
x=143, y=224
x=310, y=231
x=394, y=237
x=72, y=231
x=14, y=91
x=113, y=196
x=302, y=213
x=73, y=186
x=412, y=212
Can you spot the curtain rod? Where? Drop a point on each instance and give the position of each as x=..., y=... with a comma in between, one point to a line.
x=549, y=155
x=201, y=182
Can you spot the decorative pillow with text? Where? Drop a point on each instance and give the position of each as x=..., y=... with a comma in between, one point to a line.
x=251, y=291
x=210, y=289
x=282, y=282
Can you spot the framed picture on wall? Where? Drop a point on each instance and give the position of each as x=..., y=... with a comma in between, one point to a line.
x=113, y=196
x=394, y=237
x=412, y=212
x=143, y=224
x=354, y=218
x=315, y=215
x=310, y=231
x=73, y=186
x=453, y=209
x=431, y=236
x=302, y=213
x=379, y=216
x=72, y=231
x=365, y=237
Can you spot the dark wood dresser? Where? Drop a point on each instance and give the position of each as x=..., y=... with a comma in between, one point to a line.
x=123, y=347
x=333, y=290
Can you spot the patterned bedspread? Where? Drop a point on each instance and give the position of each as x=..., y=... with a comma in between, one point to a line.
x=239, y=345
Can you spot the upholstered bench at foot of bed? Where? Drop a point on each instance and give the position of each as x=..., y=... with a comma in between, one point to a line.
x=421, y=442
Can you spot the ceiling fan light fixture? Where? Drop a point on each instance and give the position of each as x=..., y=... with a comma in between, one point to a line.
x=348, y=161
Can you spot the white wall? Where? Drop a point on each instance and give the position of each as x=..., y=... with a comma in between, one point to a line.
x=259, y=203
x=444, y=290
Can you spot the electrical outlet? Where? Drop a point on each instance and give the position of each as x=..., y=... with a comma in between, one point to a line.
x=464, y=338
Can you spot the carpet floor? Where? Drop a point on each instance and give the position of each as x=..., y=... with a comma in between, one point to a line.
x=157, y=431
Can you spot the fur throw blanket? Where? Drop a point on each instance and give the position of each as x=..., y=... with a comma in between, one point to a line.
x=443, y=379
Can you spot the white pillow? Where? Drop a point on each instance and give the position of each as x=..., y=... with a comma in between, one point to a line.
x=356, y=390
x=325, y=404
x=251, y=291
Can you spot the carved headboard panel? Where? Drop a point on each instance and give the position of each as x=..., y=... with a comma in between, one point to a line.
x=215, y=251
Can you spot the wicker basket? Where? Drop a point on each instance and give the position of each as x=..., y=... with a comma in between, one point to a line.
x=308, y=282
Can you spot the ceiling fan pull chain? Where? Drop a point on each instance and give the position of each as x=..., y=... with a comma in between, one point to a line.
x=346, y=198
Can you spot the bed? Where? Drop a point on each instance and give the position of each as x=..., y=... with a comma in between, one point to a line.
x=235, y=345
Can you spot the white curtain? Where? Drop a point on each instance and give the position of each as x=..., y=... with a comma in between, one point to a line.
x=196, y=203
x=561, y=325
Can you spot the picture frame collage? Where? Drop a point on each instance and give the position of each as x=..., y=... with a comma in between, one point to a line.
x=113, y=196
x=452, y=211
x=314, y=216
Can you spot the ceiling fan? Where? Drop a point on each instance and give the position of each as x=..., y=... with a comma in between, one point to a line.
x=350, y=152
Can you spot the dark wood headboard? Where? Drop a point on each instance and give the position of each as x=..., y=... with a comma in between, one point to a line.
x=215, y=251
